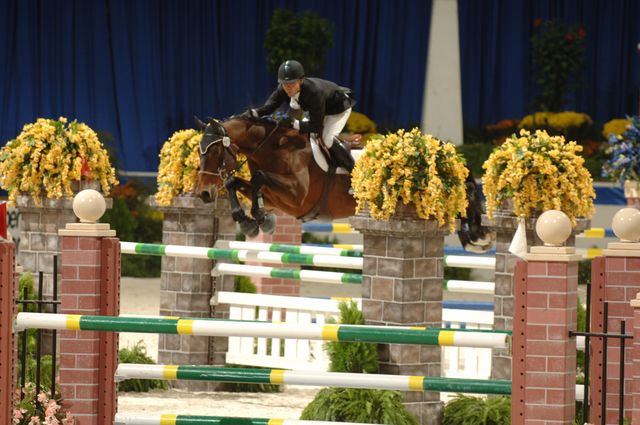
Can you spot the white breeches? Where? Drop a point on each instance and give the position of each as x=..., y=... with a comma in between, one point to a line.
x=333, y=125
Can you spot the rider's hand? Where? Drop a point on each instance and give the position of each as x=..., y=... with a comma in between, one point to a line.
x=296, y=124
x=250, y=113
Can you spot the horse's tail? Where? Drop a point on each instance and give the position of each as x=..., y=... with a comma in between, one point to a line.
x=473, y=236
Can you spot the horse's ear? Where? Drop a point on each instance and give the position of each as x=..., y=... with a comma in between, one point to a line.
x=199, y=123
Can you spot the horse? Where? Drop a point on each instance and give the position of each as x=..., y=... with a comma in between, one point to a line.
x=285, y=176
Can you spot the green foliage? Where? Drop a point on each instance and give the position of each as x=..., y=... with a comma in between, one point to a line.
x=581, y=327
x=584, y=272
x=457, y=273
x=475, y=155
x=305, y=38
x=244, y=284
x=352, y=357
x=311, y=238
x=469, y=410
x=135, y=221
x=138, y=354
x=355, y=405
x=558, y=56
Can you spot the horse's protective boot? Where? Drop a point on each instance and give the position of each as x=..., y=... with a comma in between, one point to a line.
x=341, y=155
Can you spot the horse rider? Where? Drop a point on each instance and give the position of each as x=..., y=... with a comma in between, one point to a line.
x=328, y=104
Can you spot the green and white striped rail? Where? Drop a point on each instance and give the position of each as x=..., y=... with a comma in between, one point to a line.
x=170, y=419
x=312, y=378
x=241, y=255
x=220, y=327
x=284, y=273
x=470, y=286
x=291, y=249
x=470, y=262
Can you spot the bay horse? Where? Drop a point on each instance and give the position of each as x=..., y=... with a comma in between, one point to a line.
x=285, y=176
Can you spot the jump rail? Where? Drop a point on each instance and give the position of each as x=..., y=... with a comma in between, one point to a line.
x=220, y=327
x=312, y=378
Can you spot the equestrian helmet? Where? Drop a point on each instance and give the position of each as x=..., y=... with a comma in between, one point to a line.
x=290, y=71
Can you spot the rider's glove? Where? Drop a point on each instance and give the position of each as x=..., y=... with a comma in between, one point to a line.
x=296, y=124
x=250, y=113
x=253, y=113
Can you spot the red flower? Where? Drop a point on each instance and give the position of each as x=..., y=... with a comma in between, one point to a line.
x=85, y=168
x=581, y=32
x=537, y=22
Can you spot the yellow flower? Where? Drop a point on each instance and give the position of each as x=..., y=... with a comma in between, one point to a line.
x=538, y=172
x=558, y=121
x=179, y=165
x=48, y=155
x=414, y=168
x=615, y=126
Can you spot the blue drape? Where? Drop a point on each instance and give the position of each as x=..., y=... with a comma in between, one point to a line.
x=142, y=69
x=495, y=60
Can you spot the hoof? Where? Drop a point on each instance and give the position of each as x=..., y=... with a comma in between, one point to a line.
x=249, y=228
x=268, y=224
x=238, y=215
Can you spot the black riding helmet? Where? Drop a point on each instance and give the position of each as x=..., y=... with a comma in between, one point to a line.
x=290, y=71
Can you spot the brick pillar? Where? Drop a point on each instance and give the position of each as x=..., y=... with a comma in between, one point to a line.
x=186, y=284
x=90, y=285
x=635, y=371
x=288, y=231
x=544, y=355
x=616, y=280
x=402, y=285
x=504, y=225
x=8, y=347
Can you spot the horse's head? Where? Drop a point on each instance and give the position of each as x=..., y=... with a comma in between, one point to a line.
x=217, y=160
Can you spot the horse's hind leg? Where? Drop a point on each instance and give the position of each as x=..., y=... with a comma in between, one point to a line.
x=248, y=226
x=266, y=221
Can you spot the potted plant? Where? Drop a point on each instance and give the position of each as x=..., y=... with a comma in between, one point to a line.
x=624, y=164
x=412, y=169
x=49, y=156
x=535, y=172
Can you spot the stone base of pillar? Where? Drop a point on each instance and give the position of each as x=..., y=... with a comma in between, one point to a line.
x=187, y=285
x=402, y=286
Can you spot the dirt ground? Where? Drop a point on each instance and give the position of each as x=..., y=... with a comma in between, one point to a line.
x=142, y=296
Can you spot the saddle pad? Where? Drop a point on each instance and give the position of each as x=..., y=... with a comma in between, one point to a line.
x=322, y=161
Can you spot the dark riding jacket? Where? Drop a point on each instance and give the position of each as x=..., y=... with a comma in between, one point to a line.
x=319, y=97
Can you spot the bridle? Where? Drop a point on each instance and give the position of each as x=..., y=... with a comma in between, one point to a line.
x=222, y=171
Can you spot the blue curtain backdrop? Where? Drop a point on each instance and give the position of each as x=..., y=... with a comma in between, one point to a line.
x=496, y=66
x=142, y=69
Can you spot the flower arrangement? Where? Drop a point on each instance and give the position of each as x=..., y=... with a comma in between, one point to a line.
x=538, y=172
x=616, y=126
x=179, y=165
x=361, y=124
x=414, y=168
x=49, y=155
x=624, y=149
x=558, y=121
x=38, y=409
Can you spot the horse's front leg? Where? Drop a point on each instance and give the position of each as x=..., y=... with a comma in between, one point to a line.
x=266, y=221
x=248, y=226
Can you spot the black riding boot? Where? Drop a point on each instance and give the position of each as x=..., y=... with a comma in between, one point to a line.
x=341, y=155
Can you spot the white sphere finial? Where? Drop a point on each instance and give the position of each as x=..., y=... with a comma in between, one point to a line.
x=626, y=225
x=553, y=227
x=89, y=205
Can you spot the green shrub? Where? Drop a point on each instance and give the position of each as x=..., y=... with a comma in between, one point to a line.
x=352, y=357
x=138, y=354
x=356, y=405
x=244, y=284
x=469, y=410
x=475, y=155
